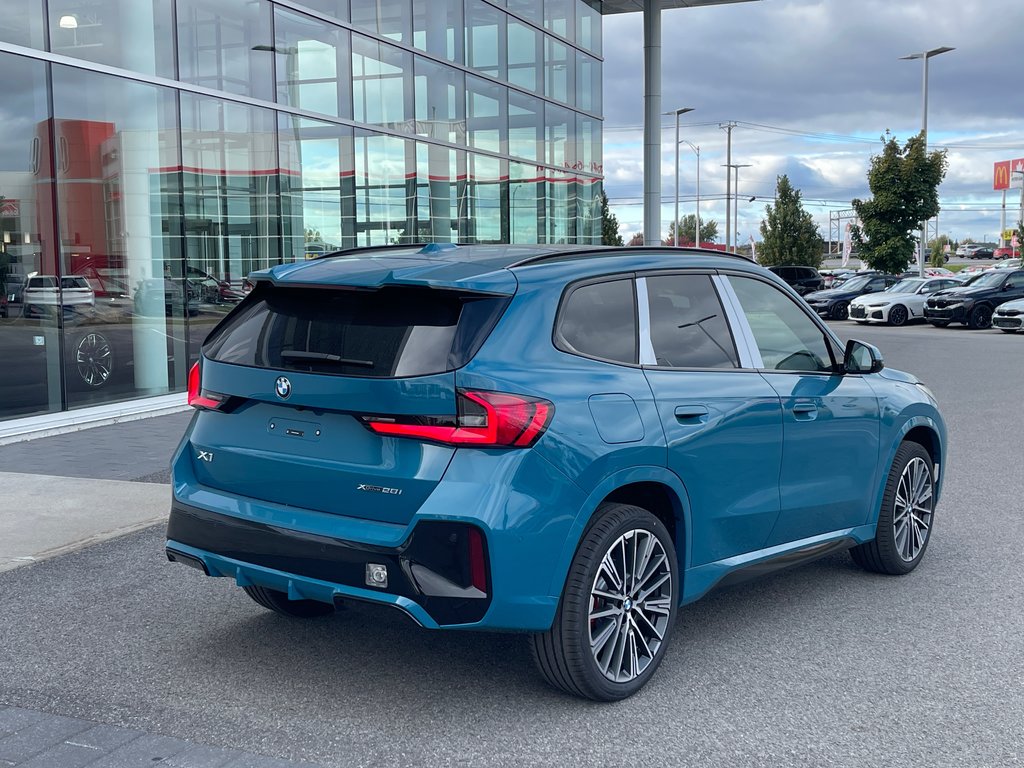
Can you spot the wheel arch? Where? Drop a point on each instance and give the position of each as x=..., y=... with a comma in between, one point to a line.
x=927, y=433
x=655, y=489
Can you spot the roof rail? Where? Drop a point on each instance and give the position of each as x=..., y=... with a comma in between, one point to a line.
x=622, y=249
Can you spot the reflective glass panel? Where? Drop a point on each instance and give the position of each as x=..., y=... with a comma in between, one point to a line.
x=559, y=70
x=486, y=114
x=317, y=188
x=560, y=208
x=485, y=197
x=232, y=214
x=589, y=203
x=559, y=127
x=559, y=17
x=339, y=9
x=314, y=61
x=29, y=336
x=385, y=189
x=381, y=84
x=485, y=38
x=440, y=102
x=533, y=10
x=588, y=25
x=227, y=45
x=132, y=34
x=21, y=23
x=387, y=18
x=588, y=144
x=525, y=125
x=437, y=28
x=524, y=56
x=588, y=83
x=436, y=194
x=524, y=189
x=126, y=298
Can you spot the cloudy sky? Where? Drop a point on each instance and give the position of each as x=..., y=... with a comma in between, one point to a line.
x=831, y=68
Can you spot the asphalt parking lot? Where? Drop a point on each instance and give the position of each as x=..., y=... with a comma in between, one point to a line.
x=821, y=665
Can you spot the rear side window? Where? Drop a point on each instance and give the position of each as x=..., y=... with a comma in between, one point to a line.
x=599, y=320
x=688, y=326
x=388, y=333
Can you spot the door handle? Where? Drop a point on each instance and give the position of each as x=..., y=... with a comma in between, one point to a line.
x=805, y=411
x=691, y=414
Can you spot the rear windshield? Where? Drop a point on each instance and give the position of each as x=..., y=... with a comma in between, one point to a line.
x=388, y=333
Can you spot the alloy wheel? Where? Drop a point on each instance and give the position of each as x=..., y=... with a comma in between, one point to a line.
x=897, y=315
x=914, y=505
x=94, y=359
x=630, y=605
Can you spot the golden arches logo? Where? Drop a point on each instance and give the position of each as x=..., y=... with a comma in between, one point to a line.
x=1001, y=177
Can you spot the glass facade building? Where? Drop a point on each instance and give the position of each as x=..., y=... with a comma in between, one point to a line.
x=155, y=152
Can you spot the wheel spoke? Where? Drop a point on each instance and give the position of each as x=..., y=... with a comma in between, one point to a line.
x=608, y=567
x=653, y=630
x=650, y=590
x=652, y=569
x=597, y=644
x=606, y=613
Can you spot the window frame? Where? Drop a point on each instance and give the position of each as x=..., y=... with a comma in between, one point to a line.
x=741, y=327
x=562, y=344
x=644, y=326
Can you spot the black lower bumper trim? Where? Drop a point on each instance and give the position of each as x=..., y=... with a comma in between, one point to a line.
x=431, y=568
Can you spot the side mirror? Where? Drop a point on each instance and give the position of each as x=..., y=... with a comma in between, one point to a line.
x=862, y=357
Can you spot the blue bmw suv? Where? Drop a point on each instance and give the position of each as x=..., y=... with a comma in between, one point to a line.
x=567, y=442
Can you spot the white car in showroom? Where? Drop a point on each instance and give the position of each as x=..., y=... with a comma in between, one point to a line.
x=900, y=303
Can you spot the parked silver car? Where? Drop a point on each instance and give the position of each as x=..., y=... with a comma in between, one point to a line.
x=1009, y=317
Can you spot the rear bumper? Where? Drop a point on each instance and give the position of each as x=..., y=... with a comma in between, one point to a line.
x=428, y=575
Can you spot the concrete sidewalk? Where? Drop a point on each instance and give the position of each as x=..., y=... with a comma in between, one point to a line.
x=61, y=493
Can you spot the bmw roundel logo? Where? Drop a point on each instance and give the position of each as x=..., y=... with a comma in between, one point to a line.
x=283, y=387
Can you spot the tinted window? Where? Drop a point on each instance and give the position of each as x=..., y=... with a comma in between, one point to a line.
x=688, y=326
x=1016, y=280
x=599, y=320
x=785, y=335
x=392, y=332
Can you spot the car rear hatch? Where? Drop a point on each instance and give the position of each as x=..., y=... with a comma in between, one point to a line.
x=292, y=376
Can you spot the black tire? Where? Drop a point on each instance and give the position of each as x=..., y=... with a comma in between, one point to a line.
x=563, y=654
x=840, y=311
x=981, y=317
x=898, y=315
x=887, y=553
x=278, y=602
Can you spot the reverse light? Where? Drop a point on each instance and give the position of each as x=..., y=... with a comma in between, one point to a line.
x=197, y=396
x=485, y=419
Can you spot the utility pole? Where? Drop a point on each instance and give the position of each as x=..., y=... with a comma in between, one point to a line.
x=677, y=113
x=727, y=127
x=730, y=169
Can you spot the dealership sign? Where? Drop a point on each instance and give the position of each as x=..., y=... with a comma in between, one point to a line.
x=1009, y=174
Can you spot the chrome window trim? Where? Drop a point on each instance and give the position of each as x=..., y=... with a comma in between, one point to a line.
x=643, y=308
x=746, y=344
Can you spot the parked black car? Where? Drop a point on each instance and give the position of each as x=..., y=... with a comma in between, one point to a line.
x=974, y=304
x=834, y=303
x=803, y=280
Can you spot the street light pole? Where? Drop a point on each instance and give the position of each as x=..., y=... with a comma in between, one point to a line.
x=731, y=168
x=677, y=113
x=924, y=56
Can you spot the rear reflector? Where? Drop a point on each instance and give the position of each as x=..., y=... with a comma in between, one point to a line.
x=485, y=419
x=197, y=397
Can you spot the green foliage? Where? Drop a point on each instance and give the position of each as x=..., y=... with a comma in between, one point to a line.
x=687, y=227
x=789, y=235
x=938, y=248
x=904, y=183
x=1020, y=235
x=609, y=224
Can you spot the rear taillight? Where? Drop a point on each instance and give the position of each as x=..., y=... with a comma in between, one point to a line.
x=197, y=396
x=485, y=419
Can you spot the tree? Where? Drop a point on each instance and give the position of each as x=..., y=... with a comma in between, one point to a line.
x=788, y=233
x=687, y=225
x=938, y=249
x=609, y=223
x=904, y=184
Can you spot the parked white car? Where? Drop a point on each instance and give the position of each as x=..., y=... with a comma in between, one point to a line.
x=901, y=303
x=42, y=291
x=1009, y=317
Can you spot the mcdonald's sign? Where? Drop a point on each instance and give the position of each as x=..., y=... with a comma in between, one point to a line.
x=1001, y=176
x=1007, y=174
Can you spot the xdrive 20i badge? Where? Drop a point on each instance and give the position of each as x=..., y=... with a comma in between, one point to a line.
x=283, y=387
